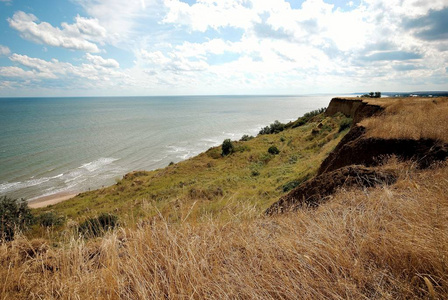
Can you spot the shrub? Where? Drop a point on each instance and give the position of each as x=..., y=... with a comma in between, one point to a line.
x=255, y=173
x=345, y=123
x=227, y=147
x=14, y=215
x=275, y=127
x=246, y=138
x=97, y=226
x=48, y=219
x=290, y=185
x=241, y=148
x=273, y=150
x=307, y=117
x=294, y=183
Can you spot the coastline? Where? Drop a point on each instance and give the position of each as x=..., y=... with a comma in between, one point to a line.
x=50, y=200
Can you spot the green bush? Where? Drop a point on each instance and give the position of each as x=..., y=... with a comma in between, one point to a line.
x=14, y=215
x=275, y=127
x=241, y=148
x=97, y=226
x=290, y=185
x=246, y=138
x=49, y=219
x=294, y=183
x=345, y=123
x=227, y=147
x=307, y=117
x=273, y=150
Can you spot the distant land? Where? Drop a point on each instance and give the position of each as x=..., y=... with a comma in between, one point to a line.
x=409, y=94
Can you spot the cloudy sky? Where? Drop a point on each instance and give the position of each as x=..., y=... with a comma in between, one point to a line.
x=174, y=47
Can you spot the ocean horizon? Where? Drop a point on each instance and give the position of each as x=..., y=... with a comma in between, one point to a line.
x=57, y=145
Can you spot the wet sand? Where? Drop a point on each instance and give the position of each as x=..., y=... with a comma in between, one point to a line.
x=50, y=200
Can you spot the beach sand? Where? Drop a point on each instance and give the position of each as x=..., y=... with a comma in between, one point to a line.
x=50, y=200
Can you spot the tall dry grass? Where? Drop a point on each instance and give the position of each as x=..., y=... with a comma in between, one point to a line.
x=388, y=243
x=411, y=119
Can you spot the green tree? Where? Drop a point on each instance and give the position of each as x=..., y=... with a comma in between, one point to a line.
x=227, y=147
x=14, y=215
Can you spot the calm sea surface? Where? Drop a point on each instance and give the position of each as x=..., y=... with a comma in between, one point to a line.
x=55, y=145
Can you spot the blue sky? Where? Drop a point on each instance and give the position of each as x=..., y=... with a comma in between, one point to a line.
x=174, y=47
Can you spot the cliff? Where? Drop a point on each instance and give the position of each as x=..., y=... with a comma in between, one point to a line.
x=355, y=108
x=359, y=158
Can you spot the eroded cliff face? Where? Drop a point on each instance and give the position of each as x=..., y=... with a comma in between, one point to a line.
x=357, y=160
x=355, y=108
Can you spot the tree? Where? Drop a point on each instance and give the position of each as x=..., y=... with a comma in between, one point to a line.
x=227, y=147
x=14, y=215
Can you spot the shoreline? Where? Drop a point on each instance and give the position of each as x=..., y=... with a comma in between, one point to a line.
x=50, y=200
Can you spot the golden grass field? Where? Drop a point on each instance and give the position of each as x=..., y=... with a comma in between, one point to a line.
x=192, y=242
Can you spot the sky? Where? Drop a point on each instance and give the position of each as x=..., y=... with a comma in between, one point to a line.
x=221, y=47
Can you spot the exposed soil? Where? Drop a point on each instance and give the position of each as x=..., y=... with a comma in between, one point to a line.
x=358, y=109
x=354, y=148
x=317, y=189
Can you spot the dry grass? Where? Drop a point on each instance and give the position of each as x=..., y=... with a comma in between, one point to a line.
x=411, y=119
x=388, y=243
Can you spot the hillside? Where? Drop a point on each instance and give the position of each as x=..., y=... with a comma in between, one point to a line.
x=363, y=221
x=217, y=185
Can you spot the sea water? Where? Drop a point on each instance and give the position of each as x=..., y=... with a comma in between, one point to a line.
x=68, y=145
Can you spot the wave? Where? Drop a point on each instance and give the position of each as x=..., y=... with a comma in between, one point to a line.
x=97, y=164
x=71, y=180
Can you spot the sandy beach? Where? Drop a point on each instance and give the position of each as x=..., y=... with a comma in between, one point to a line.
x=50, y=200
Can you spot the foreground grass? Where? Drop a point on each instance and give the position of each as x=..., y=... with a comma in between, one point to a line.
x=388, y=243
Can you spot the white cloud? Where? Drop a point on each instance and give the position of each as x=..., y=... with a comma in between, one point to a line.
x=77, y=36
x=98, y=73
x=17, y=72
x=99, y=61
x=242, y=46
x=4, y=50
x=122, y=19
x=210, y=13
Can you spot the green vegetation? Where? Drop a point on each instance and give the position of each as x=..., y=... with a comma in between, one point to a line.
x=372, y=95
x=345, y=123
x=306, y=118
x=14, y=216
x=227, y=147
x=50, y=219
x=97, y=226
x=246, y=138
x=273, y=150
x=275, y=127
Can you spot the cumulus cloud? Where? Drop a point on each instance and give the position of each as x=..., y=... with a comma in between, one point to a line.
x=97, y=72
x=210, y=13
x=4, y=50
x=99, y=61
x=214, y=46
x=433, y=26
x=76, y=36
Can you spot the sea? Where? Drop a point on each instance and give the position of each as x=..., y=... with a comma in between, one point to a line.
x=52, y=146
